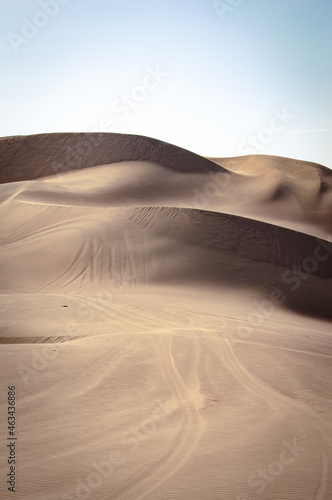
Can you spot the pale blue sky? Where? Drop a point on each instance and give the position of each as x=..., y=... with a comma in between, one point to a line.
x=233, y=77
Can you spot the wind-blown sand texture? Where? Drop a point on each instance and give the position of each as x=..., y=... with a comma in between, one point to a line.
x=166, y=321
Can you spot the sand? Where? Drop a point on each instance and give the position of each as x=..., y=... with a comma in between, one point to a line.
x=166, y=322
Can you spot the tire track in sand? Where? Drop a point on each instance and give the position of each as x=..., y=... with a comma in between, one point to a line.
x=308, y=417
x=184, y=443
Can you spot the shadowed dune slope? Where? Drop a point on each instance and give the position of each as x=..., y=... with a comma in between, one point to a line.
x=36, y=156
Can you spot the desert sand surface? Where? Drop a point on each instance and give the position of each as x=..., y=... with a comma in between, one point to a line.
x=165, y=320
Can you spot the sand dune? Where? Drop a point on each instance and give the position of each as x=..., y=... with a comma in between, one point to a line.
x=166, y=321
x=147, y=172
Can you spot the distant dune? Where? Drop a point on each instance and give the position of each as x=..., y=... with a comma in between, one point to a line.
x=166, y=320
